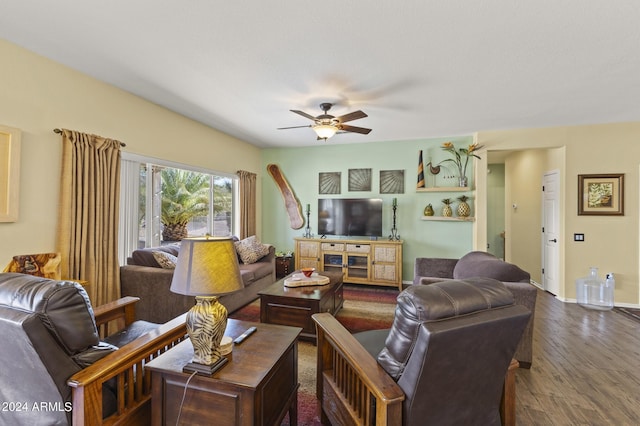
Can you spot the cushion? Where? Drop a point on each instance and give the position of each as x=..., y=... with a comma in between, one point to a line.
x=130, y=333
x=483, y=264
x=165, y=260
x=145, y=257
x=251, y=249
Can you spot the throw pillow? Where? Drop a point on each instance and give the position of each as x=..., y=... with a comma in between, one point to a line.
x=165, y=260
x=251, y=249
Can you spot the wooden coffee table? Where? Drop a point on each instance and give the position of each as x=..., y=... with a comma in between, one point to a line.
x=294, y=306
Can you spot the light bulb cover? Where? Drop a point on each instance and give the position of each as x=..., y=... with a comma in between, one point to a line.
x=325, y=131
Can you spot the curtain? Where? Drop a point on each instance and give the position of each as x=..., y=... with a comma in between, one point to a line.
x=247, y=203
x=128, y=235
x=88, y=213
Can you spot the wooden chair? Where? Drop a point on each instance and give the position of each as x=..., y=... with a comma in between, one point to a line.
x=446, y=360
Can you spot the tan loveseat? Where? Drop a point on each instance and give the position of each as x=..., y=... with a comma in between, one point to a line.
x=143, y=277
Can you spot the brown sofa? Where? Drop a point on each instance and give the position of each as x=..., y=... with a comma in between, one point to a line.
x=428, y=270
x=143, y=277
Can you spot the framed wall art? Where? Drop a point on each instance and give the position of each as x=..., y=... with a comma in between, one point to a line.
x=359, y=179
x=329, y=182
x=601, y=195
x=392, y=181
x=9, y=173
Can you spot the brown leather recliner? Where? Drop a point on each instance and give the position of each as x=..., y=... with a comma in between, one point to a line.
x=50, y=338
x=443, y=362
x=428, y=270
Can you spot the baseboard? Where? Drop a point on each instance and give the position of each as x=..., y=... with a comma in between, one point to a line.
x=615, y=305
x=537, y=284
x=626, y=305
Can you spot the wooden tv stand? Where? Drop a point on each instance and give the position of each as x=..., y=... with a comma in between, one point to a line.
x=369, y=262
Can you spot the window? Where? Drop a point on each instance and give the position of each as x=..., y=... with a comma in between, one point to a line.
x=164, y=203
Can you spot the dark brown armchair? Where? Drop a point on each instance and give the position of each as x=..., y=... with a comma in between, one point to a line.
x=428, y=270
x=447, y=360
x=58, y=370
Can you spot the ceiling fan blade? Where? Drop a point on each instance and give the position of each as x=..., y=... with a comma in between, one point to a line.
x=304, y=114
x=293, y=127
x=351, y=116
x=354, y=129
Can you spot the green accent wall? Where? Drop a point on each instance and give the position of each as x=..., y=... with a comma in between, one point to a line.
x=301, y=167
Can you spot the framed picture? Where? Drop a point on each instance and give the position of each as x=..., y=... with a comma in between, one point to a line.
x=9, y=173
x=359, y=179
x=329, y=182
x=601, y=195
x=392, y=181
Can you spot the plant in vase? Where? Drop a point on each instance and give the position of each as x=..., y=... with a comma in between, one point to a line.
x=463, y=208
x=446, y=210
x=461, y=158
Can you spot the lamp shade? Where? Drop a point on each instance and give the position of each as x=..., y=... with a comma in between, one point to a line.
x=206, y=267
x=325, y=131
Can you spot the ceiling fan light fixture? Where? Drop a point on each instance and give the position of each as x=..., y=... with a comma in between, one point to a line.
x=325, y=131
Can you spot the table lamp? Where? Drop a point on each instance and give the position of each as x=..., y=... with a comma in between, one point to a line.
x=206, y=268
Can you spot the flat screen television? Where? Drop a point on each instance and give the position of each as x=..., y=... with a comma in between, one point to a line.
x=357, y=217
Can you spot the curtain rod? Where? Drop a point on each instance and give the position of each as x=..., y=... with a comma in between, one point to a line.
x=58, y=131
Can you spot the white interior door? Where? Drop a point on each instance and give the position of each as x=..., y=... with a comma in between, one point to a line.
x=551, y=232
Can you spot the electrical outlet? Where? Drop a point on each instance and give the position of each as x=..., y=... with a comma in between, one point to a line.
x=578, y=237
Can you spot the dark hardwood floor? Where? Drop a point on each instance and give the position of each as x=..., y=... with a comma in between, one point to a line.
x=586, y=367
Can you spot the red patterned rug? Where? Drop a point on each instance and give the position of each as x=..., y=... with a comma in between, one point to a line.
x=365, y=308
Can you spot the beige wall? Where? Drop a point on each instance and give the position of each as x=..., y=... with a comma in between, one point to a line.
x=523, y=171
x=523, y=182
x=38, y=95
x=611, y=242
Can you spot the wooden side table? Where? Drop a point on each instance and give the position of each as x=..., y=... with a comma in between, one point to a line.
x=284, y=266
x=258, y=386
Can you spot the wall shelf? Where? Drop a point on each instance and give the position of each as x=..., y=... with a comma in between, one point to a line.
x=444, y=189
x=449, y=219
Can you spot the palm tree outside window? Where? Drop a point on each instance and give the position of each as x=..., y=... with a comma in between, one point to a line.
x=177, y=203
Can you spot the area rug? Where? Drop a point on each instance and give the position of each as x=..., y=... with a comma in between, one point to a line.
x=365, y=308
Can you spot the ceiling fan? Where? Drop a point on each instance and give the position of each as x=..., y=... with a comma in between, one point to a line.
x=326, y=125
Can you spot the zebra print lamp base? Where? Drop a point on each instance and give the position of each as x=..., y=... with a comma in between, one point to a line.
x=206, y=323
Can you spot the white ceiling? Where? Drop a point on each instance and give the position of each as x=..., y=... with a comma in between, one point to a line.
x=418, y=68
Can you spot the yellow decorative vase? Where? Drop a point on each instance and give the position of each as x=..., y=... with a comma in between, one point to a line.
x=446, y=210
x=428, y=211
x=463, y=208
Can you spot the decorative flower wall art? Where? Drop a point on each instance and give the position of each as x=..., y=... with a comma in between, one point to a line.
x=601, y=195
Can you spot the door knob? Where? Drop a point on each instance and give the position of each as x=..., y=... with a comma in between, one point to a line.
x=553, y=241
